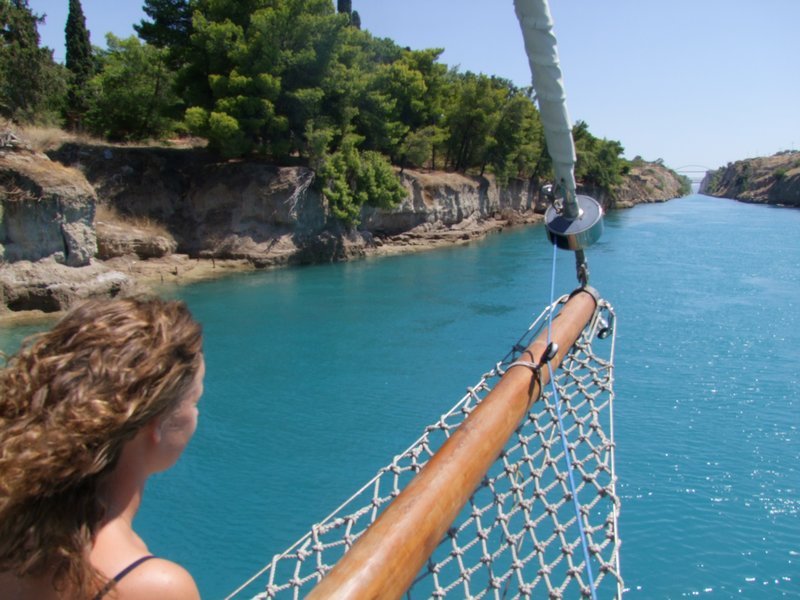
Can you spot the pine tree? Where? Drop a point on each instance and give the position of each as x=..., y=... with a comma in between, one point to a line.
x=170, y=27
x=79, y=63
x=355, y=19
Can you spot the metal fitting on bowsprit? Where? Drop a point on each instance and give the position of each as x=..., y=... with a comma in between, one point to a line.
x=579, y=231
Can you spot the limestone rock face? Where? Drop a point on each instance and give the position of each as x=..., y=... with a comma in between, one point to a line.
x=276, y=215
x=46, y=210
x=47, y=236
x=766, y=180
x=49, y=285
x=447, y=199
x=251, y=210
x=646, y=182
x=234, y=210
x=272, y=215
x=123, y=240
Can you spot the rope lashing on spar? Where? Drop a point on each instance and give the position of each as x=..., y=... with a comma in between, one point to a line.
x=536, y=369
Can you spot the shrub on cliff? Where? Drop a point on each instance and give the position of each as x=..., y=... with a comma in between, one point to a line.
x=352, y=178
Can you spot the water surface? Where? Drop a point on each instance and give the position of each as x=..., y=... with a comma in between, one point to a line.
x=318, y=376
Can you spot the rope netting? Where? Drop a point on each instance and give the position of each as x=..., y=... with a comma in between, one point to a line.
x=518, y=536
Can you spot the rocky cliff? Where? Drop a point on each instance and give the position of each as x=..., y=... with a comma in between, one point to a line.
x=649, y=182
x=47, y=235
x=766, y=180
x=645, y=182
x=165, y=214
x=47, y=211
x=272, y=215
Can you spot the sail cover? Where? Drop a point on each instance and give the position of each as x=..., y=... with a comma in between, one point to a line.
x=540, y=45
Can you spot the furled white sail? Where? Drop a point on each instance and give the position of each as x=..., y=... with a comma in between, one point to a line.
x=540, y=45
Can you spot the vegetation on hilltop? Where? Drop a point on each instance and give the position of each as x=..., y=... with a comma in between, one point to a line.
x=290, y=81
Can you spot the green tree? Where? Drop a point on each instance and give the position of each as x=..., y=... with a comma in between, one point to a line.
x=32, y=86
x=355, y=19
x=599, y=162
x=133, y=93
x=400, y=111
x=418, y=146
x=79, y=63
x=424, y=113
x=265, y=60
x=349, y=78
x=377, y=116
x=352, y=173
x=170, y=27
x=472, y=118
x=516, y=143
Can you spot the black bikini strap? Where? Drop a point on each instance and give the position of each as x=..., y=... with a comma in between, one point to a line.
x=131, y=567
x=121, y=574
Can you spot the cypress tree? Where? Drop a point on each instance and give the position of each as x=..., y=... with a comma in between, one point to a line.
x=79, y=63
x=344, y=6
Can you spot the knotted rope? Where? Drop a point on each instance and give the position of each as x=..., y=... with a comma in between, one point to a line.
x=520, y=531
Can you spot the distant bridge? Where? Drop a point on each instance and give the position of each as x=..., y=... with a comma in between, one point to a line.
x=694, y=172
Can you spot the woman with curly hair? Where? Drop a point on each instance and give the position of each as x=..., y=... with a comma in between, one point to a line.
x=88, y=411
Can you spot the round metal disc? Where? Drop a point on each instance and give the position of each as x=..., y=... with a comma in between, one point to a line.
x=578, y=233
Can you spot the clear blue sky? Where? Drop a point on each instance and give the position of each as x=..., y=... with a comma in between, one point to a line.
x=700, y=82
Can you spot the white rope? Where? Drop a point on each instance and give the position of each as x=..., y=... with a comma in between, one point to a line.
x=519, y=532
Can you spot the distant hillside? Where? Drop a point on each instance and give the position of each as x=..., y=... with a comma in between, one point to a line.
x=765, y=180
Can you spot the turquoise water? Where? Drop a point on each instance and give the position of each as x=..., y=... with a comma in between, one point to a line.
x=318, y=376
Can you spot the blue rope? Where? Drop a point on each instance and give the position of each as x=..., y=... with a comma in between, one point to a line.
x=557, y=401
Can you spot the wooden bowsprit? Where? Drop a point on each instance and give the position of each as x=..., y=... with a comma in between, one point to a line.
x=480, y=505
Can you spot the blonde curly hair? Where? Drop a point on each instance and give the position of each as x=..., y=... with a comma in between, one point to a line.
x=69, y=401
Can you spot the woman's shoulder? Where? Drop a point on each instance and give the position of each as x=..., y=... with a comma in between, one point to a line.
x=157, y=578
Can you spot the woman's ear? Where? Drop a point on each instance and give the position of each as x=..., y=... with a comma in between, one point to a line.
x=154, y=430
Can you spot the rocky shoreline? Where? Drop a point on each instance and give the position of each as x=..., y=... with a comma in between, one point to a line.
x=181, y=269
x=128, y=274
x=89, y=220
